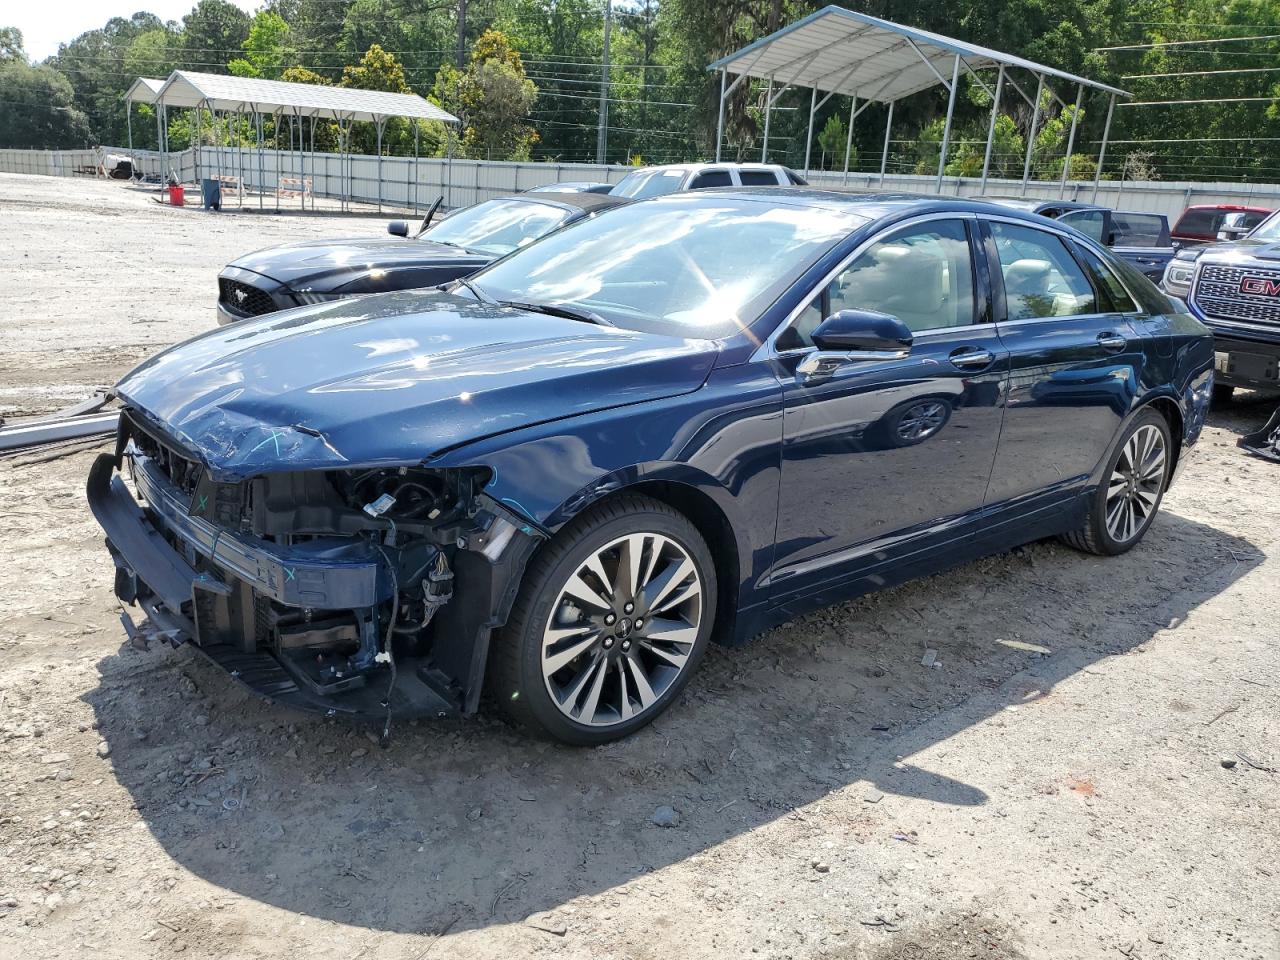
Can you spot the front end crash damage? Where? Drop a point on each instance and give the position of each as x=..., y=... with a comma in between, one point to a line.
x=359, y=592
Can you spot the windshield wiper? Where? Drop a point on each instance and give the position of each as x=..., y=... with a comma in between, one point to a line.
x=559, y=310
x=476, y=291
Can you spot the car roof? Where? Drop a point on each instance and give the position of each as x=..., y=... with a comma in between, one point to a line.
x=1034, y=204
x=586, y=202
x=1229, y=207
x=874, y=206
x=706, y=165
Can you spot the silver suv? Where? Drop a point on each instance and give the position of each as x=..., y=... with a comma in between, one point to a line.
x=655, y=181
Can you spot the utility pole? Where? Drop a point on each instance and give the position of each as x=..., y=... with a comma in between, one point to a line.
x=462, y=34
x=602, y=135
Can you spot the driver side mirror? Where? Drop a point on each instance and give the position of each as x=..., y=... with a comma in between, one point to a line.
x=1232, y=233
x=850, y=335
x=398, y=228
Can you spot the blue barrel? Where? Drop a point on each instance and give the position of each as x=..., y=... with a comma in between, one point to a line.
x=211, y=194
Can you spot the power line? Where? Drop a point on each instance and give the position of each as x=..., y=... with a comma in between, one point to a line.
x=1199, y=73
x=1171, y=103
x=1185, y=43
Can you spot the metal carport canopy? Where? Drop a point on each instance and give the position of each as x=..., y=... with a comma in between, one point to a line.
x=144, y=90
x=839, y=51
x=215, y=91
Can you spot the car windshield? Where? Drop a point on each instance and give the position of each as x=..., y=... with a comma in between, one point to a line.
x=1269, y=229
x=497, y=227
x=648, y=183
x=691, y=265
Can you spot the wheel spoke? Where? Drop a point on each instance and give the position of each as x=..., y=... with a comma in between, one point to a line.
x=643, y=690
x=557, y=661
x=624, y=698
x=632, y=569
x=658, y=591
x=588, y=711
x=580, y=590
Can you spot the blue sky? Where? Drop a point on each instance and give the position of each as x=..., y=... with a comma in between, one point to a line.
x=45, y=25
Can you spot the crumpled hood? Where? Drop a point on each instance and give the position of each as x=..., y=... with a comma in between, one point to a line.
x=394, y=379
x=324, y=264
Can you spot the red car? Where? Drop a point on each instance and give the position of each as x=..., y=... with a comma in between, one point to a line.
x=1201, y=224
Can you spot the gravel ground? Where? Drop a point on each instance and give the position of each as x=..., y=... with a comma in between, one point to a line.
x=1088, y=772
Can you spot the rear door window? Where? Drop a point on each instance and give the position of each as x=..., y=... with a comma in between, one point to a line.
x=711, y=178
x=1137, y=229
x=1089, y=222
x=757, y=178
x=1041, y=277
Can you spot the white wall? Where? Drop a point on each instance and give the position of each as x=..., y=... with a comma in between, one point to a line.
x=404, y=182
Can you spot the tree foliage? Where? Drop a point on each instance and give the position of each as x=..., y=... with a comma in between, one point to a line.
x=37, y=108
x=491, y=98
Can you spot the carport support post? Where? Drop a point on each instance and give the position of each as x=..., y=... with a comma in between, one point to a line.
x=848, y=140
x=380, y=124
x=1071, y=142
x=884, y=156
x=768, y=108
x=991, y=130
x=1102, y=153
x=808, y=139
x=946, y=128
x=724, y=78
x=1031, y=135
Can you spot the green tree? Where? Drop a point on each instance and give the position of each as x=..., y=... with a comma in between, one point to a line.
x=37, y=108
x=492, y=97
x=377, y=70
x=832, y=140
x=210, y=31
x=151, y=54
x=267, y=49
x=11, y=47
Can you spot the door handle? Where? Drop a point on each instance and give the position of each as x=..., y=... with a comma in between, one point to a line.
x=1112, y=341
x=968, y=357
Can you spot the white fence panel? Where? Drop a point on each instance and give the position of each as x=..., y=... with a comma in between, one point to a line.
x=405, y=183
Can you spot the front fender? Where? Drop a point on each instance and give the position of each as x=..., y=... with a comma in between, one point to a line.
x=723, y=439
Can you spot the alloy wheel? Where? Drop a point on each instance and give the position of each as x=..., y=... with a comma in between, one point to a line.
x=1136, y=481
x=622, y=629
x=922, y=420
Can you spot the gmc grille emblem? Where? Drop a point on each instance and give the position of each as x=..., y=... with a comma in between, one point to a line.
x=1260, y=286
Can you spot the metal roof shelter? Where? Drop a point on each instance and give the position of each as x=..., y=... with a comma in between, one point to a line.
x=214, y=93
x=838, y=51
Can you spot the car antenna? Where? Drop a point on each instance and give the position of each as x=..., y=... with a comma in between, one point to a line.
x=426, y=221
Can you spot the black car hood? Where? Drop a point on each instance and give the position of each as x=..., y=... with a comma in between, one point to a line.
x=324, y=265
x=394, y=379
x=1244, y=247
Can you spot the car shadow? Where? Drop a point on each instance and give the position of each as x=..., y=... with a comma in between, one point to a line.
x=466, y=824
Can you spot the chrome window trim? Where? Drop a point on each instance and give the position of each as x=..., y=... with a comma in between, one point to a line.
x=769, y=348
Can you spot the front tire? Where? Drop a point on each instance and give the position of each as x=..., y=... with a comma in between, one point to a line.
x=610, y=622
x=1125, y=503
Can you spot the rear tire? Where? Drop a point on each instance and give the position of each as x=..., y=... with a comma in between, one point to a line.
x=1133, y=485
x=612, y=618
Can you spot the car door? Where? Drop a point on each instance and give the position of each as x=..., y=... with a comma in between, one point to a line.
x=1092, y=223
x=1073, y=365
x=882, y=458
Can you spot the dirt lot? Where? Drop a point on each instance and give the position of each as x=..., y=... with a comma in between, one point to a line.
x=1057, y=788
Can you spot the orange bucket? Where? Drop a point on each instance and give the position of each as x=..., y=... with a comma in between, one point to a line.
x=177, y=195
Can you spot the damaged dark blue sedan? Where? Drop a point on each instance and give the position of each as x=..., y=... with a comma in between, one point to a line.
x=684, y=422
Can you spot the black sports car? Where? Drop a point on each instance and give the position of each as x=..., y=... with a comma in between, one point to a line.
x=317, y=271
